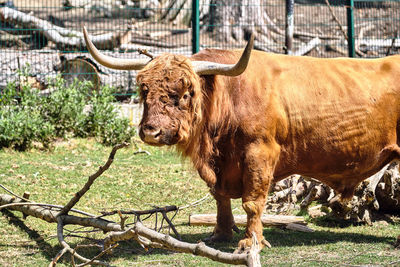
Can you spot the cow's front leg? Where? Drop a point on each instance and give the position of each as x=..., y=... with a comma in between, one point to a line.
x=259, y=163
x=225, y=223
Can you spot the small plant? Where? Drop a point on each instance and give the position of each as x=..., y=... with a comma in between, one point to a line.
x=27, y=117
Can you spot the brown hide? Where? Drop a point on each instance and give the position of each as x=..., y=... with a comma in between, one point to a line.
x=336, y=120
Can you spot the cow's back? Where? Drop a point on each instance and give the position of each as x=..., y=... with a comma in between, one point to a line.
x=333, y=118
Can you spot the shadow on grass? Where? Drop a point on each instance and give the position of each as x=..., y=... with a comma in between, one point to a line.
x=285, y=238
x=49, y=251
x=46, y=249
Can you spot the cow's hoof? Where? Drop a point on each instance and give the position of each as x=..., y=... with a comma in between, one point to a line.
x=245, y=245
x=218, y=237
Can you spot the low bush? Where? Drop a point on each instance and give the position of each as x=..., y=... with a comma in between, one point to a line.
x=27, y=117
x=64, y=108
x=102, y=121
x=21, y=121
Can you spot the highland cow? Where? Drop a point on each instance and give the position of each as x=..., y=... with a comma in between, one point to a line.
x=248, y=119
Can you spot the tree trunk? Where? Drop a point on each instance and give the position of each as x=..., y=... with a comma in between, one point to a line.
x=232, y=21
x=180, y=11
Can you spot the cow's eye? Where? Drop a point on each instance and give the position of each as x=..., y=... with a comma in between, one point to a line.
x=174, y=99
x=185, y=96
x=164, y=99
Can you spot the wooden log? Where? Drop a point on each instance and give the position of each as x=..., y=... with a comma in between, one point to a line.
x=280, y=196
x=388, y=190
x=308, y=47
x=309, y=198
x=146, y=40
x=8, y=38
x=336, y=48
x=380, y=42
x=79, y=68
x=299, y=227
x=241, y=220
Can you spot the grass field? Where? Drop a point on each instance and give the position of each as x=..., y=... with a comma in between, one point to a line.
x=141, y=181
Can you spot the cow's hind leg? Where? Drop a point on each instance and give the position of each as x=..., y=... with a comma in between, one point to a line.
x=225, y=223
x=259, y=164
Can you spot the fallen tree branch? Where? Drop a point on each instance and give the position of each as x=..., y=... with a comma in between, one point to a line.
x=59, y=35
x=50, y=216
x=315, y=35
x=337, y=20
x=145, y=236
x=60, y=236
x=57, y=257
x=91, y=179
x=341, y=27
x=156, y=239
x=136, y=39
x=139, y=213
x=26, y=202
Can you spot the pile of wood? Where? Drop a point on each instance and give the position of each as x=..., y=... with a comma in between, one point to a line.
x=373, y=198
x=62, y=37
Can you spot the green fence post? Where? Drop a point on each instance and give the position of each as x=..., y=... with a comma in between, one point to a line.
x=289, y=27
x=195, y=26
x=350, y=28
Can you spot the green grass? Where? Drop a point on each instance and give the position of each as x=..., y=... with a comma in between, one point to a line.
x=140, y=182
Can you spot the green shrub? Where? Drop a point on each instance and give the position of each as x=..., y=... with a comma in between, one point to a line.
x=22, y=123
x=27, y=117
x=102, y=120
x=64, y=108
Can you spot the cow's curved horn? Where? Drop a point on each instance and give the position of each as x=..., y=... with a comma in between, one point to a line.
x=111, y=62
x=212, y=68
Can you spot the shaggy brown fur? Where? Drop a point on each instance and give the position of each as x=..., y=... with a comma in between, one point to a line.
x=337, y=120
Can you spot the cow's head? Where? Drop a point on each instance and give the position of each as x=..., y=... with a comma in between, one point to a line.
x=170, y=90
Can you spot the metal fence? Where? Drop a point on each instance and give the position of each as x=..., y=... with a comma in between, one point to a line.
x=45, y=35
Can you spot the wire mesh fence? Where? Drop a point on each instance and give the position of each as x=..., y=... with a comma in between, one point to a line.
x=46, y=34
x=377, y=28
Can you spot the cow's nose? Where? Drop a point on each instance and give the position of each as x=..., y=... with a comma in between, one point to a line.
x=151, y=134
